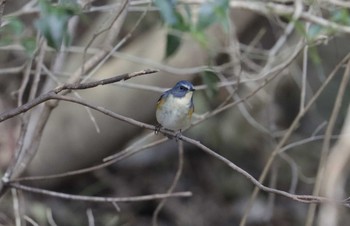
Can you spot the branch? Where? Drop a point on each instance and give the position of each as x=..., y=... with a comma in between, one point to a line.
x=173, y=185
x=259, y=185
x=73, y=86
x=2, y=7
x=321, y=181
x=299, y=198
x=289, y=132
x=98, y=198
x=269, y=8
x=107, y=161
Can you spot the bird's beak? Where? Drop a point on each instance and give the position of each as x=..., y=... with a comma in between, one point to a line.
x=192, y=89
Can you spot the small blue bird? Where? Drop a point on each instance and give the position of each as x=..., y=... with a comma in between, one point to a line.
x=175, y=107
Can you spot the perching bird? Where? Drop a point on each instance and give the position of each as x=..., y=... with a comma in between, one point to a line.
x=175, y=107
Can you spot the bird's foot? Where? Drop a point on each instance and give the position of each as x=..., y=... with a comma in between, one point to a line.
x=157, y=129
x=178, y=136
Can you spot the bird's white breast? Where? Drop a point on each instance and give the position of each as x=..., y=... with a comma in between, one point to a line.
x=173, y=114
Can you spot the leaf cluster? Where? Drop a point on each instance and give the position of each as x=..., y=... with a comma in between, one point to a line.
x=179, y=18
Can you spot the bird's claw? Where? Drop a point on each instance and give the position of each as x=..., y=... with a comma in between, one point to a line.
x=178, y=136
x=157, y=129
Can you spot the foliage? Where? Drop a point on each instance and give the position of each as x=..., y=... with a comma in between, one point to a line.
x=14, y=33
x=210, y=12
x=53, y=22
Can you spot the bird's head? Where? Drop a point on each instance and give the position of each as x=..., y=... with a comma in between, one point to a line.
x=182, y=88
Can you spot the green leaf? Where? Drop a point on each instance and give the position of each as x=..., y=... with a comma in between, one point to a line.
x=314, y=31
x=29, y=45
x=211, y=12
x=173, y=43
x=206, y=16
x=172, y=17
x=341, y=16
x=168, y=11
x=182, y=24
x=54, y=21
x=188, y=11
x=200, y=37
x=11, y=32
x=314, y=55
x=16, y=26
x=4, y=41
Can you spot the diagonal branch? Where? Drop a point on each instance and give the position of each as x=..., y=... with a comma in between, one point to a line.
x=72, y=86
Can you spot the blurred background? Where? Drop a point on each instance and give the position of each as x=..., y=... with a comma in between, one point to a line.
x=257, y=63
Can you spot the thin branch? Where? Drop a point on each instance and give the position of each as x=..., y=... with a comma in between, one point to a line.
x=336, y=175
x=16, y=207
x=111, y=160
x=73, y=86
x=49, y=217
x=116, y=206
x=30, y=220
x=118, y=45
x=11, y=70
x=45, y=113
x=40, y=62
x=132, y=150
x=287, y=135
x=98, y=198
x=173, y=185
x=24, y=83
x=110, y=37
x=284, y=10
x=298, y=5
x=2, y=7
x=90, y=217
x=327, y=141
x=299, y=198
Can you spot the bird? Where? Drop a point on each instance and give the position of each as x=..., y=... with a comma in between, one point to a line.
x=175, y=107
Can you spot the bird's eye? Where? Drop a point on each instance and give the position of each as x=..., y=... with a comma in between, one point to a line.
x=183, y=88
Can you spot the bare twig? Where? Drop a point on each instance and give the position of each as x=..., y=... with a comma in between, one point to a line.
x=288, y=134
x=24, y=83
x=16, y=207
x=49, y=217
x=52, y=95
x=116, y=206
x=118, y=45
x=111, y=160
x=273, y=73
x=288, y=30
x=11, y=70
x=40, y=62
x=335, y=177
x=30, y=220
x=98, y=198
x=90, y=217
x=299, y=198
x=327, y=142
x=70, y=86
x=2, y=7
x=110, y=37
x=173, y=185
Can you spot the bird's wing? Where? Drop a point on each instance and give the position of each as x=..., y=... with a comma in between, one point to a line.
x=162, y=99
x=191, y=110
